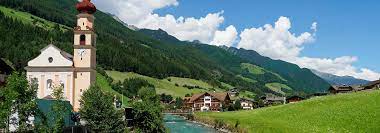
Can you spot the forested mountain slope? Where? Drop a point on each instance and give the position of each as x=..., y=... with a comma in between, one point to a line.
x=300, y=79
x=147, y=53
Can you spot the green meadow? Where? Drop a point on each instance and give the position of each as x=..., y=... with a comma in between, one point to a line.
x=28, y=18
x=170, y=85
x=354, y=112
x=101, y=81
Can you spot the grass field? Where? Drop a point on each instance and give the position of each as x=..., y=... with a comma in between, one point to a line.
x=277, y=87
x=246, y=79
x=253, y=68
x=168, y=85
x=355, y=112
x=28, y=18
x=103, y=84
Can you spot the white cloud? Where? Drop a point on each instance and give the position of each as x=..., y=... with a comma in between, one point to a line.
x=273, y=41
x=341, y=66
x=279, y=43
x=314, y=26
x=202, y=29
x=276, y=42
x=226, y=37
x=141, y=14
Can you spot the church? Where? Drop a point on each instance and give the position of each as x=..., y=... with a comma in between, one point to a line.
x=74, y=73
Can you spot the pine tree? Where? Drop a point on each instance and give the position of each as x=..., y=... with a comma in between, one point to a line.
x=98, y=111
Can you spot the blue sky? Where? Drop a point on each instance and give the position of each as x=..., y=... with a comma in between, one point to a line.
x=345, y=27
x=345, y=42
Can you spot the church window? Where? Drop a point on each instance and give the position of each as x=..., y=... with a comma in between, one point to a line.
x=50, y=59
x=49, y=84
x=82, y=39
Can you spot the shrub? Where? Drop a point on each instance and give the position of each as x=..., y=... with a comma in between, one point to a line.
x=237, y=123
x=190, y=117
x=218, y=123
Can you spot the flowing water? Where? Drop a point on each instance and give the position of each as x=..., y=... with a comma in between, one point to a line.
x=177, y=124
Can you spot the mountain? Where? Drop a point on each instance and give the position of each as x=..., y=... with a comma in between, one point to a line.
x=28, y=26
x=277, y=71
x=160, y=35
x=298, y=78
x=340, y=80
x=131, y=27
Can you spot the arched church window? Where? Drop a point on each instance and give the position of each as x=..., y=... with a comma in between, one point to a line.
x=49, y=84
x=82, y=39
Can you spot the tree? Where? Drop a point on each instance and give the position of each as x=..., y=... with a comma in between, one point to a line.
x=148, y=113
x=6, y=98
x=237, y=105
x=19, y=98
x=59, y=109
x=178, y=102
x=98, y=111
x=165, y=98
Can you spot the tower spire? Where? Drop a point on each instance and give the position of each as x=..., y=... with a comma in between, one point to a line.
x=86, y=7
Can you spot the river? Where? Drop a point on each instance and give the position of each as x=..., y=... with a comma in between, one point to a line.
x=177, y=124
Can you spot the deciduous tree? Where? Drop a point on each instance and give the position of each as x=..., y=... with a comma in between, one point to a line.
x=99, y=112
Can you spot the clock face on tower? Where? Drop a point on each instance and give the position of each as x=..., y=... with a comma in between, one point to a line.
x=81, y=53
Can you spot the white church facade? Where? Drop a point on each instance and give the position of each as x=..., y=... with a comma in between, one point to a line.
x=74, y=73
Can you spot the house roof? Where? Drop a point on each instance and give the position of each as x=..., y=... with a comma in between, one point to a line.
x=372, y=84
x=272, y=97
x=247, y=99
x=295, y=96
x=341, y=88
x=222, y=96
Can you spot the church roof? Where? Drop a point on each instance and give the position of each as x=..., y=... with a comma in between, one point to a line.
x=52, y=56
x=63, y=53
x=86, y=7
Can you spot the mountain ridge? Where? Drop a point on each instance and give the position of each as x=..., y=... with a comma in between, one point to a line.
x=340, y=80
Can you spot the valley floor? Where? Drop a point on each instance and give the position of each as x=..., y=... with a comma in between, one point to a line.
x=354, y=112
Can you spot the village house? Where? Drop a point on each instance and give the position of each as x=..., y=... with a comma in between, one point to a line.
x=340, y=89
x=347, y=89
x=248, y=104
x=270, y=99
x=372, y=85
x=208, y=101
x=294, y=99
x=233, y=92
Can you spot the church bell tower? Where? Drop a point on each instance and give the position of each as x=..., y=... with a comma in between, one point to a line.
x=84, y=50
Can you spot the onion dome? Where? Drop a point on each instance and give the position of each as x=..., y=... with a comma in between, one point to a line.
x=86, y=7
